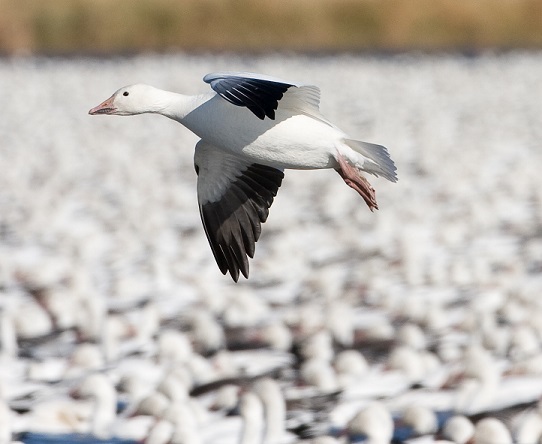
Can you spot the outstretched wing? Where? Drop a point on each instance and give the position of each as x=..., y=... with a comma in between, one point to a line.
x=234, y=197
x=262, y=94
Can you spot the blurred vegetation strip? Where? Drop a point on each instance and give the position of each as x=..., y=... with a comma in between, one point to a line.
x=113, y=26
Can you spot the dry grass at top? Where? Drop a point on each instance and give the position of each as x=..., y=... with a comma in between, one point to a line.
x=104, y=26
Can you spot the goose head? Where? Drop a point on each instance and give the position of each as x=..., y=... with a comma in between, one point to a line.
x=128, y=101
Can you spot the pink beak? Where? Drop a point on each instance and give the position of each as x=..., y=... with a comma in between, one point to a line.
x=106, y=107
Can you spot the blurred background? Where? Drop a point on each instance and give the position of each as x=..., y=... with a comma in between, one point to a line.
x=128, y=26
x=427, y=308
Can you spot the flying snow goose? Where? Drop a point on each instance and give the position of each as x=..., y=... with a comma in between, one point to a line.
x=252, y=127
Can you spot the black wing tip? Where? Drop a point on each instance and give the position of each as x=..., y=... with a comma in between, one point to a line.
x=235, y=276
x=233, y=273
x=260, y=95
x=260, y=113
x=233, y=266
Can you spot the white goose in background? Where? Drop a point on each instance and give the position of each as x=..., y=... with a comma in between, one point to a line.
x=252, y=127
x=5, y=423
x=458, y=429
x=274, y=409
x=103, y=421
x=373, y=421
x=252, y=416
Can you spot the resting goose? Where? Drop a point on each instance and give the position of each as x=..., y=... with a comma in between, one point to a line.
x=252, y=127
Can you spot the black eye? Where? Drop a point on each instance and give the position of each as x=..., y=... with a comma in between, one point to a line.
x=125, y=93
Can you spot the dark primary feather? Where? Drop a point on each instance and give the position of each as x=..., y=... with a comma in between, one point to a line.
x=233, y=223
x=260, y=96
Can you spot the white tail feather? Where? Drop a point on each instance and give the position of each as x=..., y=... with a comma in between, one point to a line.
x=380, y=163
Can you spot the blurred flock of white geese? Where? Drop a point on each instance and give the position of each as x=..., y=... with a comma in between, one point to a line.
x=417, y=323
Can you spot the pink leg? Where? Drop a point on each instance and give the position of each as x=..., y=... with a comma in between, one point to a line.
x=355, y=180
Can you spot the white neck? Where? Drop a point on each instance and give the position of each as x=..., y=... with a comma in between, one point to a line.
x=173, y=105
x=104, y=413
x=252, y=414
x=275, y=409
